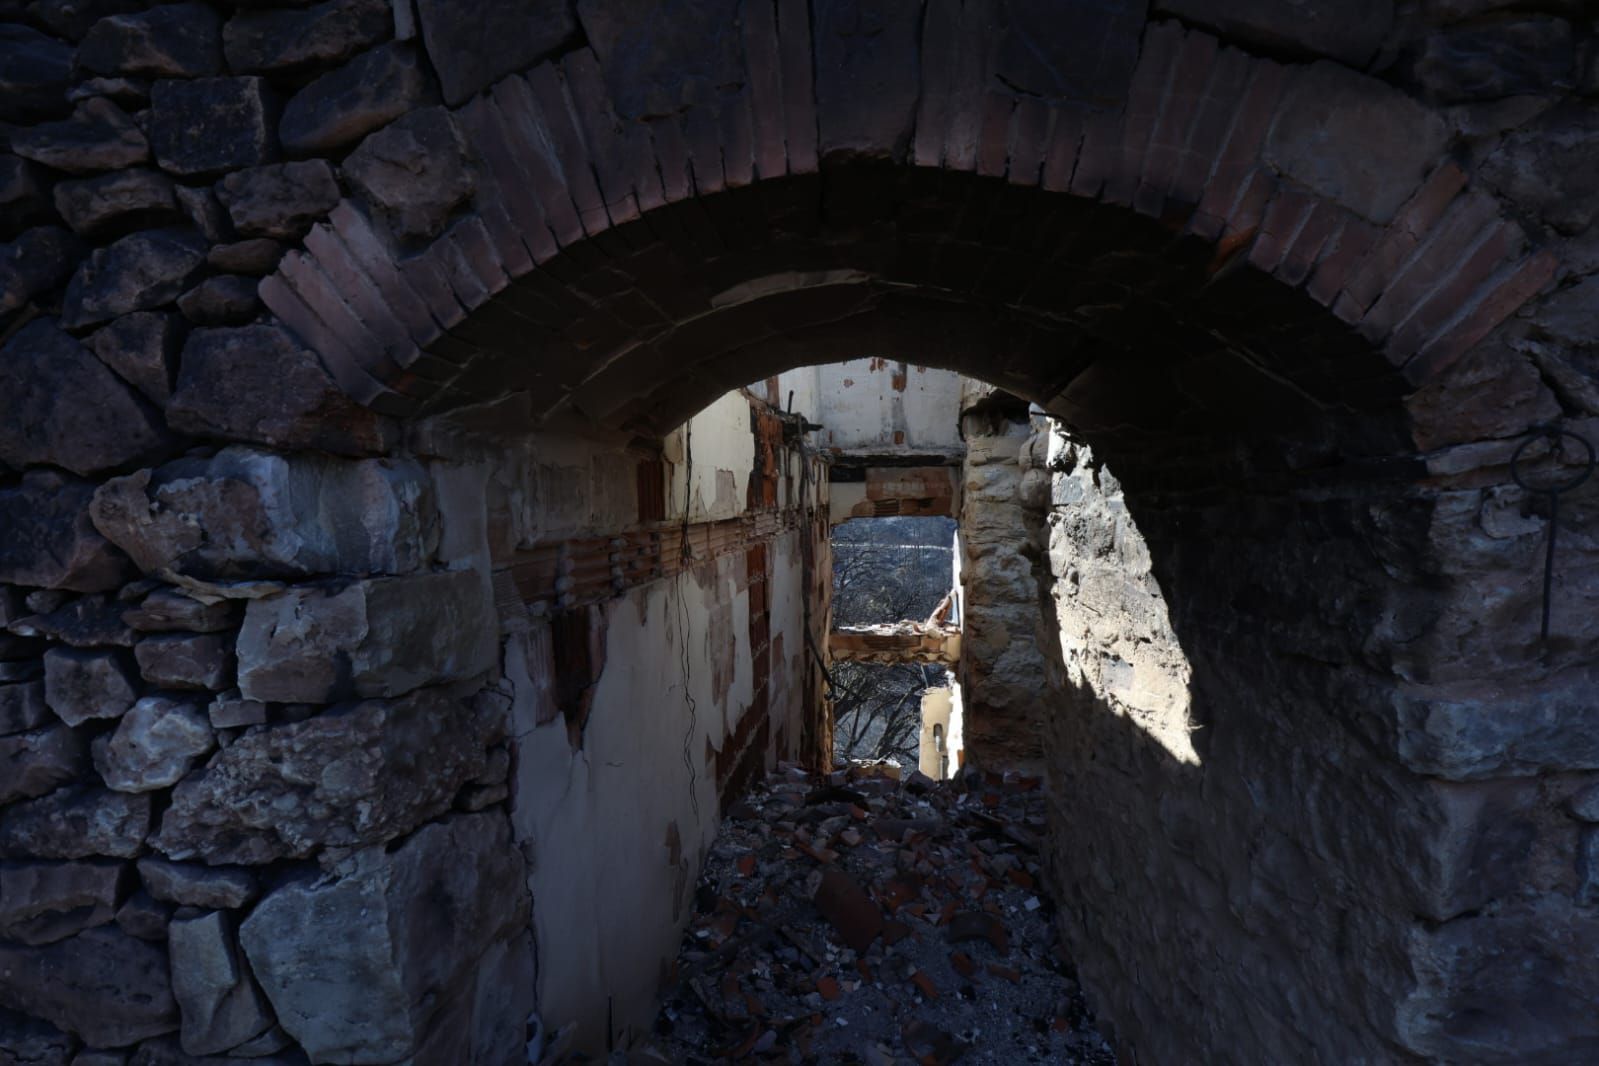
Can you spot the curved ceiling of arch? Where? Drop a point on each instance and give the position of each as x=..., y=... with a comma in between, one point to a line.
x=1096, y=313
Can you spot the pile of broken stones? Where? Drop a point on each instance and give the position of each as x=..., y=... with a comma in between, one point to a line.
x=858, y=918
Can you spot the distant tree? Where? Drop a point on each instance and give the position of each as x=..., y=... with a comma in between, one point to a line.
x=886, y=570
x=890, y=569
x=877, y=709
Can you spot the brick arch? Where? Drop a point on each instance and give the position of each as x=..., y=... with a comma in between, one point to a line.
x=1223, y=152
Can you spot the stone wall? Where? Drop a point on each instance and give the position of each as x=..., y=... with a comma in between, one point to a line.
x=1001, y=702
x=1250, y=787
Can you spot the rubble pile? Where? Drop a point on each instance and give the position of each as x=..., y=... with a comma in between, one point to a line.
x=857, y=918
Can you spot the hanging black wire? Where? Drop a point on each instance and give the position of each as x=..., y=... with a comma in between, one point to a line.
x=1556, y=438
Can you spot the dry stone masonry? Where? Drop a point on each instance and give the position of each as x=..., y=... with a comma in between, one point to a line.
x=353, y=569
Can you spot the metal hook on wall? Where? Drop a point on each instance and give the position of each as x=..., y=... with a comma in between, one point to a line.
x=1557, y=438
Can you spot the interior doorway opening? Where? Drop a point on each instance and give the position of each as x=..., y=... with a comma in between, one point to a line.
x=888, y=574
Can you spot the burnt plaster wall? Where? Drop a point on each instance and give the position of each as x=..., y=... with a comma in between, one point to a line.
x=1317, y=268
x=688, y=684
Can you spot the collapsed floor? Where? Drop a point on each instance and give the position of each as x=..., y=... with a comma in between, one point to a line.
x=858, y=919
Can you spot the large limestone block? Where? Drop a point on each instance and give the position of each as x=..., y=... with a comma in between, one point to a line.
x=211, y=125
x=382, y=637
x=1354, y=139
x=1349, y=31
x=80, y=415
x=136, y=273
x=245, y=513
x=192, y=885
x=330, y=32
x=221, y=1005
x=35, y=71
x=356, y=967
x=1550, y=167
x=80, y=684
x=30, y=1042
x=498, y=37
x=76, y=822
x=98, y=136
x=280, y=200
x=154, y=744
x=414, y=172
x=257, y=383
x=35, y=762
x=42, y=902
x=358, y=775
x=343, y=105
x=104, y=986
x=50, y=541
x=170, y=41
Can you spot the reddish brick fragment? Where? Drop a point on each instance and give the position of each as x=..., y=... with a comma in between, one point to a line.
x=845, y=905
x=977, y=925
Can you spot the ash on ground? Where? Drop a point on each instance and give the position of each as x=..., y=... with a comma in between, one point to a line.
x=854, y=918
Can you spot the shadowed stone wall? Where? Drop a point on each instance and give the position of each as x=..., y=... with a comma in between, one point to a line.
x=1302, y=277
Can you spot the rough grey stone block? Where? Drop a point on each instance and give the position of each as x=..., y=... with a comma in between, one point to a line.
x=414, y=172
x=37, y=761
x=280, y=200
x=331, y=32
x=1354, y=139
x=186, y=661
x=246, y=513
x=98, y=136
x=190, y=885
x=136, y=273
x=257, y=383
x=344, y=105
x=219, y=1001
x=50, y=540
x=42, y=902
x=102, y=985
x=358, y=775
x=36, y=262
x=497, y=38
x=210, y=125
x=168, y=41
x=76, y=822
x=81, y=685
x=356, y=968
x=154, y=745
x=380, y=637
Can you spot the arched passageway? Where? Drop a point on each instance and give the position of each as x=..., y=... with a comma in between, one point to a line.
x=1301, y=316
